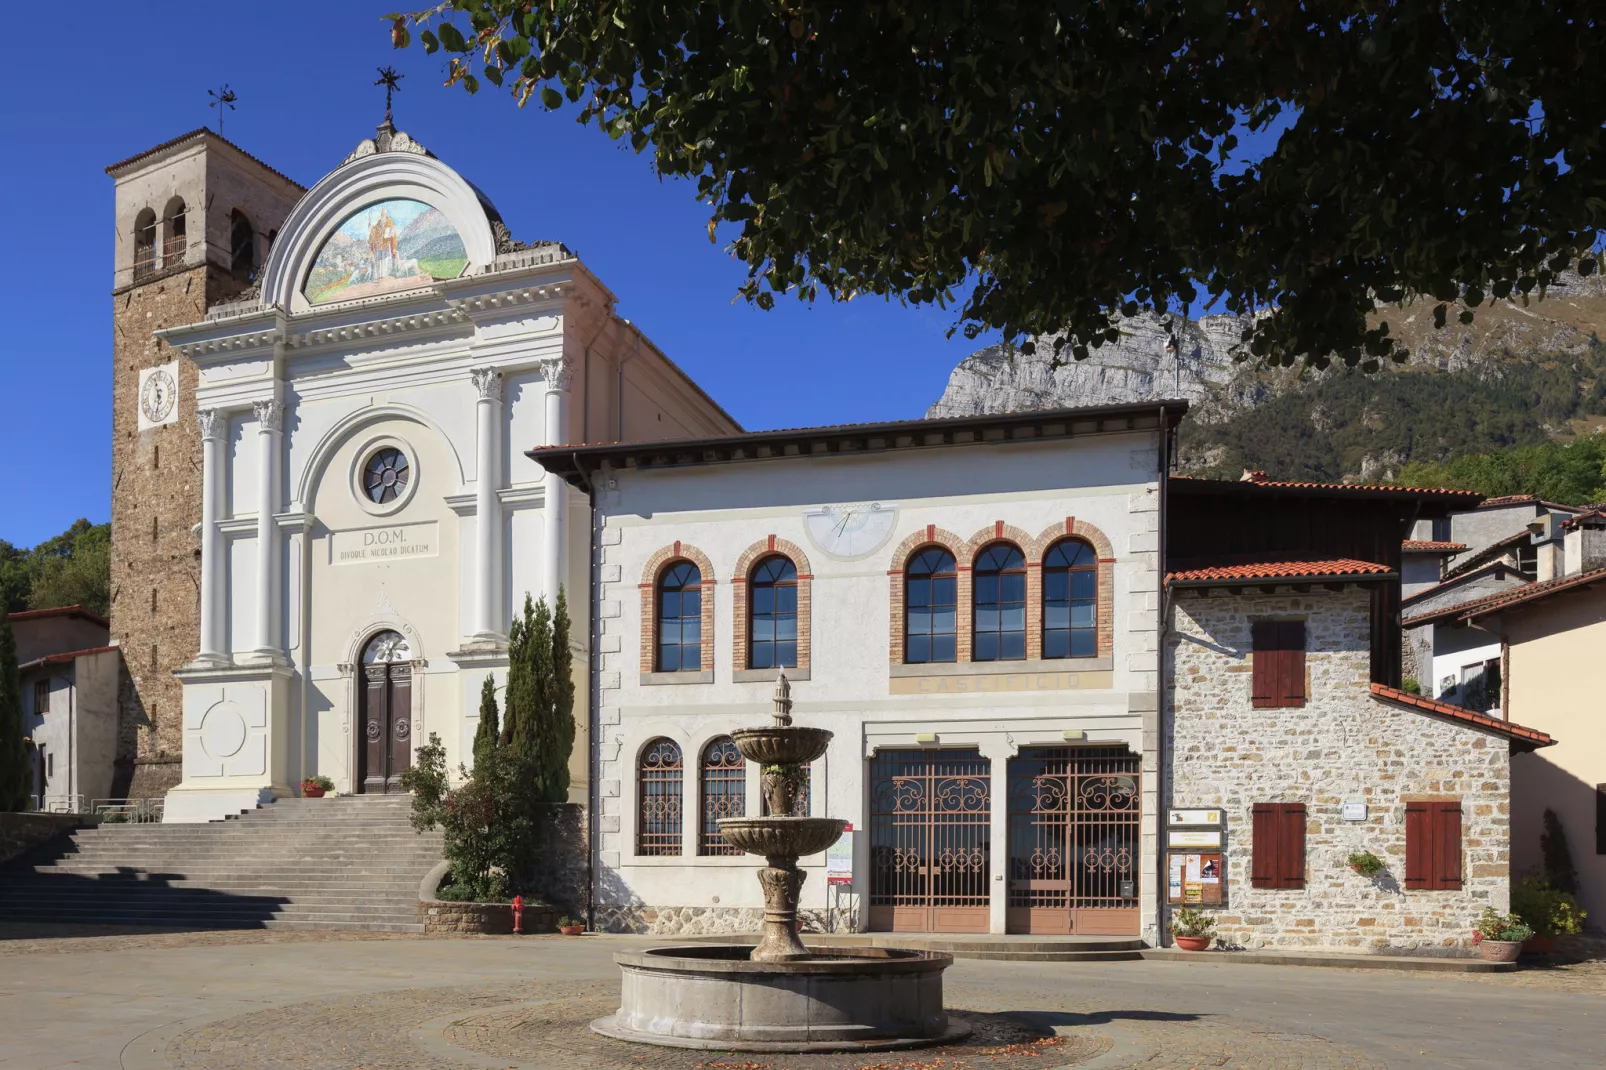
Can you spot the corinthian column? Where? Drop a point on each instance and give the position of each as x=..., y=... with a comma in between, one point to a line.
x=489, y=616
x=270, y=434
x=555, y=510
x=214, y=426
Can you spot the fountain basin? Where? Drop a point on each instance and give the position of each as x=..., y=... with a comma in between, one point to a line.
x=778, y=745
x=781, y=836
x=714, y=997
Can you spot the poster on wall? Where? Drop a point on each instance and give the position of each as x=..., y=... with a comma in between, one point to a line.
x=1195, y=878
x=839, y=859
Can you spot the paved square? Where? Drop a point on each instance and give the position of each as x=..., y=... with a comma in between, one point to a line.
x=210, y=1001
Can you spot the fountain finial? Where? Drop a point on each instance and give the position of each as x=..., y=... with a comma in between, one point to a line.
x=783, y=700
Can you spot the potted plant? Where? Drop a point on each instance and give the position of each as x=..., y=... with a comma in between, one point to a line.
x=570, y=926
x=1548, y=910
x=315, y=787
x=1365, y=863
x=1499, y=937
x=1193, y=929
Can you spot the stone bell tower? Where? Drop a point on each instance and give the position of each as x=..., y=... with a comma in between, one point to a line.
x=195, y=217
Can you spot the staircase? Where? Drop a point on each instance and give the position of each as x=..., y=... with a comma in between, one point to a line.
x=331, y=863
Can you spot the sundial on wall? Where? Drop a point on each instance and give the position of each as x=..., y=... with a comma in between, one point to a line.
x=850, y=530
x=158, y=395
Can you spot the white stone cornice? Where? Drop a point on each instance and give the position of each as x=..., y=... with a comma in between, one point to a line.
x=489, y=383
x=530, y=494
x=270, y=415
x=214, y=423
x=557, y=371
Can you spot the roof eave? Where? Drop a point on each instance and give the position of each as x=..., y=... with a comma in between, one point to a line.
x=1286, y=581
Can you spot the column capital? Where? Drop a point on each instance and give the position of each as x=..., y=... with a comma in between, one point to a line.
x=557, y=371
x=270, y=415
x=488, y=381
x=213, y=423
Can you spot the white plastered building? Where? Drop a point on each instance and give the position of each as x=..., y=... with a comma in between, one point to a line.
x=370, y=518
x=1008, y=795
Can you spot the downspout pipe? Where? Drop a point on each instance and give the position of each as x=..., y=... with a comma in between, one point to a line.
x=593, y=703
x=1162, y=793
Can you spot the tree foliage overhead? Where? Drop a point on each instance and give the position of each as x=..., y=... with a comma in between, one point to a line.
x=16, y=779
x=74, y=568
x=1076, y=158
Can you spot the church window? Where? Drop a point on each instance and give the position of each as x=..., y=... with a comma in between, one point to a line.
x=144, y=244
x=1070, y=600
x=658, y=784
x=930, y=606
x=387, y=646
x=999, y=604
x=724, y=794
x=385, y=476
x=680, y=618
x=242, y=247
x=772, y=623
x=174, y=240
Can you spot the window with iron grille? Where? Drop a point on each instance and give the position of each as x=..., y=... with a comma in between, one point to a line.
x=772, y=612
x=999, y=601
x=1070, y=600
x=658, y=786
x=930, y=607
x=724, y=794
x=680, y=618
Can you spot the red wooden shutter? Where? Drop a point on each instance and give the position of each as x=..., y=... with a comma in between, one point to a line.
x=1265, y=661
x=1418, y=845
x=1447, y=845
x=1291, y=663
x=1291, y=849
x=1264, y=865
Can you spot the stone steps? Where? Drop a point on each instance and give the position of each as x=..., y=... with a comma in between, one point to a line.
x=348, y=863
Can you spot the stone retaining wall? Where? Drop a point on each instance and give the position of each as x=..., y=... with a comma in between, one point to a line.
x=1344, y=744
x=22, y=832
x=439, y=916
x=707, y=921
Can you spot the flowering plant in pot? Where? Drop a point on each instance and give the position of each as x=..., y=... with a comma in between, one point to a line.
x=1365, y=863
x=315, y=787
x=1499, y=936
x=1193, y=929
x=571, y=926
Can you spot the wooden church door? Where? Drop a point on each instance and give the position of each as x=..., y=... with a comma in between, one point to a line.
x=385, y=750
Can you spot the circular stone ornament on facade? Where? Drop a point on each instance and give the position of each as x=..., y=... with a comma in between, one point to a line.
x=385, y=476
x=223, y=730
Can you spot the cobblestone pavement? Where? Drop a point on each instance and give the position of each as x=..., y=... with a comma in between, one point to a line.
x=214, y=1001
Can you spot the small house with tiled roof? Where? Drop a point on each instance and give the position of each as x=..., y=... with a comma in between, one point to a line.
x=68, y=672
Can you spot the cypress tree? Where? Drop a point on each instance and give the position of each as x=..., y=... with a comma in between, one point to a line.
x=562, y=734
x=16, y=780
x=533, y=741
x=519, y=701
x=488, y=735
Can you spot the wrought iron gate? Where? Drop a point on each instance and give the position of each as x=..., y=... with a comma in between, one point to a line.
x=1073, y=840
x=930, y=813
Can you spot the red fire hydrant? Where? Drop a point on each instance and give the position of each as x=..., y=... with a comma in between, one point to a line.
x=518, y=914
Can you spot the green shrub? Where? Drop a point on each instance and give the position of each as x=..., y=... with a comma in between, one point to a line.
x=489, y=819
x=1549, y=910
x=1365, y=863
x=1191, y=921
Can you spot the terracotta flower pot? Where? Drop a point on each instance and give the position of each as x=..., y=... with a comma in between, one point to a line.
x=571, y=930
x=1500, y=950
x=311, y=793
x=1193, y=943
x=1539, y=945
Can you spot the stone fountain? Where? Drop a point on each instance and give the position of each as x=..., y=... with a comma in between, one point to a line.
x=780, y=996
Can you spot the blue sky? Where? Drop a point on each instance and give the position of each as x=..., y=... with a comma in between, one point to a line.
x=137, y=75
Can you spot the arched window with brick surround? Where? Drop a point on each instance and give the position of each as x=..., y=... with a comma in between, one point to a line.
x=658, y=792
x=1070, y=600
x=998, y=604
x=723, y=794
x=930, y=606
x=679, y=608
x=772, y=614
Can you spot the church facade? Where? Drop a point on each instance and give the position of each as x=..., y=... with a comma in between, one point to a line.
x=367, y=520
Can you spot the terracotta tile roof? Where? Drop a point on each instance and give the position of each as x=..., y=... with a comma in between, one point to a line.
x=1593, y=513
x=1499, y=568
x=1263, y=480
x=1256, y=483
x=1527, y=499
x=59, y=611
x=1431, y=546
x=200, y=132
x=1529, y=592
x=1489, y=553
x=1263, y=569
x=64, y=657
x=1528, y=738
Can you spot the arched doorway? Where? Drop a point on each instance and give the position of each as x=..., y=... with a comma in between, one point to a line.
x=385, y=750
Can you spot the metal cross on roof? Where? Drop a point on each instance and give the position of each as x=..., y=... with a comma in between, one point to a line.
x=391, y=81
x=222, y=98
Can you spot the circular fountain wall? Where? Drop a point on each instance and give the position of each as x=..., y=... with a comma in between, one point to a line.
x=864, y=999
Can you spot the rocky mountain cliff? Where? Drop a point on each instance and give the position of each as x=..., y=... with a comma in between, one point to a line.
x=1514, y=375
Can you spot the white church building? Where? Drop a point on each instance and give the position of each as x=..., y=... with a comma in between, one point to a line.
x=370, y=519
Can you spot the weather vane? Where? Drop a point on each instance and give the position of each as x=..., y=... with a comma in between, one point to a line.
x=221, y=99
x=391, y=81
